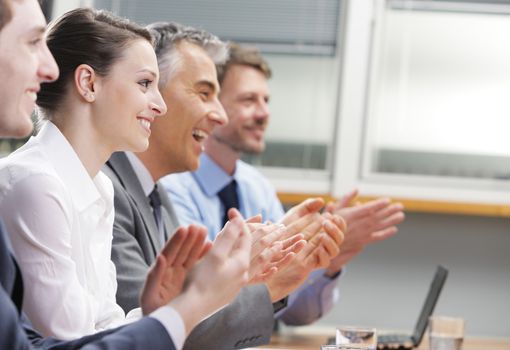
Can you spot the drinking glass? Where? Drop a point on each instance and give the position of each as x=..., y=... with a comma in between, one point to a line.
x=446, y=333
x=348, y=337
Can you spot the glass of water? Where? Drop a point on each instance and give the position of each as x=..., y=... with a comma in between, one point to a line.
x=446, y=333
x=348, y=337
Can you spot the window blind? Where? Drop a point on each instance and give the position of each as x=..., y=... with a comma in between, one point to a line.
x=282, y=26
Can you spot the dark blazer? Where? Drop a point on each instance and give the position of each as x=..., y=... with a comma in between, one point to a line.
x=246, y=322
x=16, y=332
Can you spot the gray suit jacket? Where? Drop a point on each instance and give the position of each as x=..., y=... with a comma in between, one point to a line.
x=246, y=322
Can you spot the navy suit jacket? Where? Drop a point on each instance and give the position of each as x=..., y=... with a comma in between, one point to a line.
x=16, y=332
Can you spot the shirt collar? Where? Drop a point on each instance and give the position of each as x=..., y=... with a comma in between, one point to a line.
x=142, y=173
x=84, y=190
x=211, y=177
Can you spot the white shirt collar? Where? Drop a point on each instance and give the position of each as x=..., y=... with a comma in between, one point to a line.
x=142, y=173
x=84, y=190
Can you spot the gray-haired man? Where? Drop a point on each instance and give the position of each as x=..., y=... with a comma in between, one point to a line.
x=144, y=217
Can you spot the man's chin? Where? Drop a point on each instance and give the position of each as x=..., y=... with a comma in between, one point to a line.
x=253, y=149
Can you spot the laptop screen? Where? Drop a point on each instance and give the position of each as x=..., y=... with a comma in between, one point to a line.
x=430, y=303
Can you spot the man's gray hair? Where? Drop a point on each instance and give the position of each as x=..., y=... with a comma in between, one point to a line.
x=167, y=36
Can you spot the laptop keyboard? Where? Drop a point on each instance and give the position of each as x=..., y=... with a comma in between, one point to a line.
x=393, y=338
x=394, y=341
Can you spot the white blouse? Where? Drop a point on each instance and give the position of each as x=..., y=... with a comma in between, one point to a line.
x=60, y=225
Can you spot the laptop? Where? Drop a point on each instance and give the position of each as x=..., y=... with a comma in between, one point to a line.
x=406, y=341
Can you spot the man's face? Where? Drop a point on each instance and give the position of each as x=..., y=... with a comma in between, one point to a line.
x=194, y=110
x=25, y=62
x=245, y=96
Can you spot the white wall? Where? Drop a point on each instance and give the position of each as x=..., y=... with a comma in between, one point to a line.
x=386, y=285
x=303, y=98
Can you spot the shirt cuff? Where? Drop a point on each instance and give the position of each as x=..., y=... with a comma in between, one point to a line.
x=173, y=323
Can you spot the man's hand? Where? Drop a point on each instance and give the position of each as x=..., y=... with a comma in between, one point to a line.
x=166, y=277
x=324, y=235
x=367, y=223
x=308, y=206
x=269, y=250
x=218, y=277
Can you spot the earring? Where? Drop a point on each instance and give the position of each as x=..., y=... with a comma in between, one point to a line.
x=88, y=96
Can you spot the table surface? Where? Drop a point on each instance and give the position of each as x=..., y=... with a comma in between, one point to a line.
x=313, y=342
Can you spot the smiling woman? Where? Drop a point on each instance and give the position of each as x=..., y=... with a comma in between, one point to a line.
x=56, y=203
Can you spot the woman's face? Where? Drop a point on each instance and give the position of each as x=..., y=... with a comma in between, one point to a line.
x=128, y=99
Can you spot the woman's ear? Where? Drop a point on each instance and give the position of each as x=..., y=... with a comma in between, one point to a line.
x=84, y=80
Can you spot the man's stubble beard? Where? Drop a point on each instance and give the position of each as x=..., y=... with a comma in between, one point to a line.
x=238, y=147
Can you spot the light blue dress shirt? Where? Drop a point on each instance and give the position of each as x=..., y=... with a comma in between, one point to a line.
x=195, y=199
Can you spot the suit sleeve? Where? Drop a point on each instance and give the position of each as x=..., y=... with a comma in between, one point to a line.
x=17, y=334
x=246, y=322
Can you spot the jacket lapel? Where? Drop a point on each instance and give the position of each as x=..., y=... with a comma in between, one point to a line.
x=120, y=165
x=169, y=216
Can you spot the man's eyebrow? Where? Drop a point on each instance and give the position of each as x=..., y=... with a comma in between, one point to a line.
x=208, y=83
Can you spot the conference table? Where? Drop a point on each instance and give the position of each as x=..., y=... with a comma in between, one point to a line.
x=313, y=341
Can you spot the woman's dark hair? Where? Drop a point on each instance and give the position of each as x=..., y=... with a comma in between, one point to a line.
x=85, y=36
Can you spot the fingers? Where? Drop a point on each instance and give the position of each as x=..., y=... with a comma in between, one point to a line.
x=173, y=246
x=391, y=215
x=323, y=257
x=365, y=209
x=149, y=295
x=308, y=225
x=253, y=227
x=308, y=206
x=233, y=213
x=261, y=278
x=295, y=248
x=205, y=248
x=289, y=242
x=386, y=219
x=290, y=251
x=261, y=263
x=317, y=257
x=197, y=246
x=334, y=231
x=347, y=199
x=286, y=260
x=268, y=234
x=157, y=272
x=330, y=207
x=266, y=256
x=242, y=251
x=383, y=234
x=227, y=238
x=257, y=219
x=331, y=247
x=187, y=246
